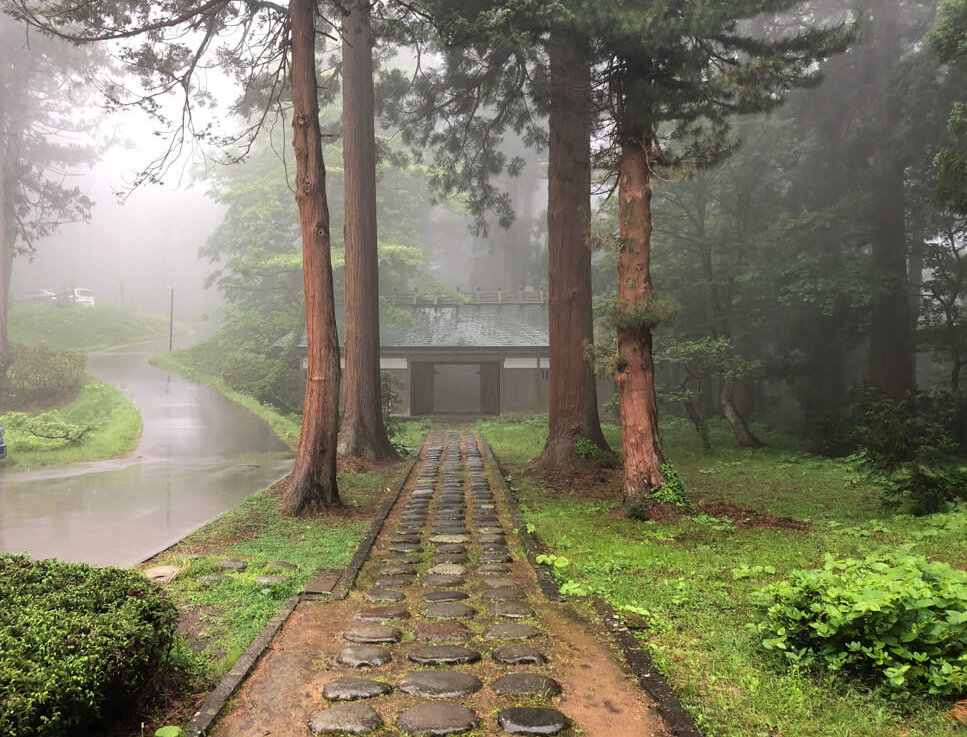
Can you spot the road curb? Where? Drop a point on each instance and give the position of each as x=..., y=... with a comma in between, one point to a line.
x=653, y=682
x=209, y=711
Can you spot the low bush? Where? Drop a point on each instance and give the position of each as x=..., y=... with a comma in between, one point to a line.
x=76, y=642
x=896, y=622
x=40, y=373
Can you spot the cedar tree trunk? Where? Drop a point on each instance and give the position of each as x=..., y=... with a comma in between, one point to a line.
x=312, y=484
x=643, y=456
x=573, y=401
x=6, y=264
x=361, y=433
x=743, y=434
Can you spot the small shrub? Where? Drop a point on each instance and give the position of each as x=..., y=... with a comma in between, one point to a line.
x=40, y=373
x=673, y=490
x=586, y=448
x=47, y=426
x=897, y=622
x=75, y=641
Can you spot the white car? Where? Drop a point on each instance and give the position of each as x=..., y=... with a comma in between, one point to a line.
x=79, y=296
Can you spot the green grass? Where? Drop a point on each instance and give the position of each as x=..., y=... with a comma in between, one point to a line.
x=232, y=612
x=183, y=363
x=83, y=328
x=679, y=575
x=117, y=428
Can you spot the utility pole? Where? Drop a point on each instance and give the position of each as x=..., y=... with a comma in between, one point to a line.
x=171, y=319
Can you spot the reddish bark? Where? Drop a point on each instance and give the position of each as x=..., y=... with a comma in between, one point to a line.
x=362, y=432
x=643, y=456
x=6, y=261
x=573, y=402
x=312, y=485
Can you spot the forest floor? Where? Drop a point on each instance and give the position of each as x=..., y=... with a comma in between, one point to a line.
x=684, y=584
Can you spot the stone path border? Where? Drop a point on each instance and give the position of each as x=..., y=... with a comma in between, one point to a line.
x=213, y=705
x=677, y=718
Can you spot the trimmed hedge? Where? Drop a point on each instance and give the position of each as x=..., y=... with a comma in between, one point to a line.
x=896, y=621
x=76, y=642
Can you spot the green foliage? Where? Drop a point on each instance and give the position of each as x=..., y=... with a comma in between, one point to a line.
x=170, y=731
x=41, y=373
x=47, y=425
x=649, y=314
x=75, y=641
x=908, y=448
x=949, y=41
x=99, y=423
x=586, y=448
x=899, y=622
x=673, y=490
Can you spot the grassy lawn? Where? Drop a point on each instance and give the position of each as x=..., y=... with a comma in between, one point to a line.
x=83, y=328
x=116, y=423
x=690, y=581
x=185, y=363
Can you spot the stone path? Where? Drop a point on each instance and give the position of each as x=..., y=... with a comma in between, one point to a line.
x=446, y=633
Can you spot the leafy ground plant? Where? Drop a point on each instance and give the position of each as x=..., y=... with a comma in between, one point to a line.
x=75, y=641
x=899, y=622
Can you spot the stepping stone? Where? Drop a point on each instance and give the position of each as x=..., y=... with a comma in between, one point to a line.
x=405, y=547
x=495, y=529
x=439, y=684
x=390, y=613
x=492, y=539
x=373, y=633
x=520, y=684
x=513, y=610
x=439, y=596
x=511, y=631
x=162, y=574
x=446, y=631
x=449, y=558
x=449, y=610
x=437, y=719
x=395, y=570
x=493, y=569
x=358, y=656
x=503, y=593
x=448, y=569
x=378, y=594
x=495, y=558
x=442, y=580
x=444, y=655
x=394, y=582
x=285, y=566
x=346, y=719
x=213, y=579
x=402, y=560
x=450, y=548
x=462, y=538
x=494, y=548
x=407, y=538
x=270, y=580
x=353, y=689
x=497, y=582
x=232, y=564
x=518, y=655
x=532, y=720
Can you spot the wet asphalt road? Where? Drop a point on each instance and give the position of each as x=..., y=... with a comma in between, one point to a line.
x=199, y=455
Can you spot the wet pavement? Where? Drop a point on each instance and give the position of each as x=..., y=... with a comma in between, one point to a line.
x=199, y=455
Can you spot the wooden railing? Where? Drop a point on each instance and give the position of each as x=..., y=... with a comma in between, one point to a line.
x=477, y=297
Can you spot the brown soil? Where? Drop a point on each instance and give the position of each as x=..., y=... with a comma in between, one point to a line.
x=191, y=625
x=747, y=518
x=285, y=689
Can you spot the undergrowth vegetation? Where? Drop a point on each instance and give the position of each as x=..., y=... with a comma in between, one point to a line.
x=688, y=584
x=76, y=642
x=83, y=328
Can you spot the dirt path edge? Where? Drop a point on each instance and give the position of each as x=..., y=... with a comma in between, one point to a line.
x=205, y=717
x=677, y=718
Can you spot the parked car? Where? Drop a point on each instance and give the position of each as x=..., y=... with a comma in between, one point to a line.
x=77, y=296
x=44, y=296
x=3, y=445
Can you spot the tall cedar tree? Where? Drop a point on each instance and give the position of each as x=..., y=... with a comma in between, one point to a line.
x=494, y=78
x=676, y=69
x=362, y=432
x=162, y=46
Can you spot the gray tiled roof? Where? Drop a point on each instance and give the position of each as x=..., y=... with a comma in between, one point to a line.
x=466, y=326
